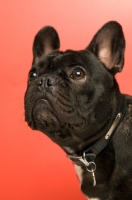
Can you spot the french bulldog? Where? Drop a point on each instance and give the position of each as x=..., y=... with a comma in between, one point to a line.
x=73, y=97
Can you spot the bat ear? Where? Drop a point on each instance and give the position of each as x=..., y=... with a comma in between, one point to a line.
x=108, y=45
x=45, y=41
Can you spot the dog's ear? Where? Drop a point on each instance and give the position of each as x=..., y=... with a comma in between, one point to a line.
x=45, y=41
x=108, y=45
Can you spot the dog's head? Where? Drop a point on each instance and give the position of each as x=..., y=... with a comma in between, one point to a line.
x=71, y=95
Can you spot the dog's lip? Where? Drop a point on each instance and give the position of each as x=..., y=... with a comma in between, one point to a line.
x=59, y=137
x=68, y=140
x=79, y=125
x=42, y=100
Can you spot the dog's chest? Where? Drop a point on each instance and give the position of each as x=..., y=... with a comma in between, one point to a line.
x=79, y=172
x=94, y=199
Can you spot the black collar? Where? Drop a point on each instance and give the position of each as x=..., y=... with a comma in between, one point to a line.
x=90, y=154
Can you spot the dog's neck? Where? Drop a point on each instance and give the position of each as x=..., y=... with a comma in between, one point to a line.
x=90, y=154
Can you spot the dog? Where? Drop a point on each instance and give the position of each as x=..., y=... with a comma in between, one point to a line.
x=74, y=98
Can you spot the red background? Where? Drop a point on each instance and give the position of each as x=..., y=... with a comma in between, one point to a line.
x=31, y=166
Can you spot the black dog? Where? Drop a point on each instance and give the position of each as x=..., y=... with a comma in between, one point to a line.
x=74, y=99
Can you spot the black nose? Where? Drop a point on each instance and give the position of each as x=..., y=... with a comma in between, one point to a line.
x=47, y=82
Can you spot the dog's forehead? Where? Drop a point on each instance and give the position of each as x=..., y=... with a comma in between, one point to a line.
x=70, y=57
x=61, y=59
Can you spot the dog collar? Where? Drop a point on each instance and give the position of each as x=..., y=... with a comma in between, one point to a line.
x=88, y=156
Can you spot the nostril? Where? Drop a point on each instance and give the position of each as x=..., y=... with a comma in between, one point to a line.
x=49, y=82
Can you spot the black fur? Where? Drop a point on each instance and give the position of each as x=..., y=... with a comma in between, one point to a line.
x=73, y=98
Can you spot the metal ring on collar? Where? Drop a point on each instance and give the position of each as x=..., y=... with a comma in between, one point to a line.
x=92, y=165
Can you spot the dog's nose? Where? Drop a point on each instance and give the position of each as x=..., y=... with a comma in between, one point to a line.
x=47, y=82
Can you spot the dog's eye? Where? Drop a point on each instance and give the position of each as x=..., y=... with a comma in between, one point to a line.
x=32, y=74
x=78, y=74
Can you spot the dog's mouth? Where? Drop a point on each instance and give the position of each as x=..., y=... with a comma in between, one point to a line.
x=43, y=115
x=55, y=119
